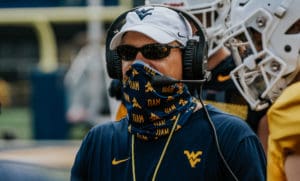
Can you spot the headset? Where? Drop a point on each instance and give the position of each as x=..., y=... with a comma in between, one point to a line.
x=194, y=63
x=194, y=54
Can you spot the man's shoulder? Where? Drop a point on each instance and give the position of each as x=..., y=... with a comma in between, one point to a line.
x=218, y=116
x=109, y=129
x=111, y=125
x=227, y=124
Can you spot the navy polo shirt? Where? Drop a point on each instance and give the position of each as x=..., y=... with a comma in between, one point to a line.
x=105, y=153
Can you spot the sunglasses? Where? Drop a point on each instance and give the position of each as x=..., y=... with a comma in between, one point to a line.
x=152, y=51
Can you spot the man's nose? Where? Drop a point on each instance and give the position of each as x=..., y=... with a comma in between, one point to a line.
x=140, y=57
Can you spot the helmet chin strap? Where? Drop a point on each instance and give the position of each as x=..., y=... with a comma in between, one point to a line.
x=284, y=82
x=294, y=76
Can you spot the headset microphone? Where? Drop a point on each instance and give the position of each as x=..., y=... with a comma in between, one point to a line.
x=164, y=80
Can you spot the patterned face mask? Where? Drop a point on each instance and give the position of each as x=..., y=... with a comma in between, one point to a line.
x=152, y=111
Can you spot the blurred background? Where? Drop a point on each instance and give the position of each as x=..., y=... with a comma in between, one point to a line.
x=53, y=82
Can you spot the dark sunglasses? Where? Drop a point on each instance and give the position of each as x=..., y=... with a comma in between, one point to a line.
x=152, y=51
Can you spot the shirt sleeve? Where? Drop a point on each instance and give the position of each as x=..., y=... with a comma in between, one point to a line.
x=250, y=163
x=241, y=148
x=78, y=171
x=283, y=115
x=284, y=128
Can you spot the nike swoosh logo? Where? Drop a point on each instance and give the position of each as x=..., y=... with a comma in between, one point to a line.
x=181, y=36
x=117, y=162
x=223, y=78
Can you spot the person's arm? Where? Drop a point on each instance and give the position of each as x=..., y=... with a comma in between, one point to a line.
x=291, y=167
x=263, y=132
x=217, y=58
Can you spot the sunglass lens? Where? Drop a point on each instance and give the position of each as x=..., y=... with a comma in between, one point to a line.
x=127, y=52
x=155, y=51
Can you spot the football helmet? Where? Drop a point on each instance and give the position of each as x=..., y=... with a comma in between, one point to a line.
x=264, y=37
x=211, y=13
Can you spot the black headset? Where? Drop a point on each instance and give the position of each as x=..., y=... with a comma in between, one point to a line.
x=194, y=54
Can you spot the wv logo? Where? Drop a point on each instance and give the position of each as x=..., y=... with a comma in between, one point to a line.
x=193, y=157
x=143, y=13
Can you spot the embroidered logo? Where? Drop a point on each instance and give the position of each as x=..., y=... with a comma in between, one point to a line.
x=143, y=13
x=193, y=157
x=180, y=35
x=223, y=78
x=117, y=162
x=135, y=103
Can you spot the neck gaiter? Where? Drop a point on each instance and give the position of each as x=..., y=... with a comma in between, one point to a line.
x=153, y=110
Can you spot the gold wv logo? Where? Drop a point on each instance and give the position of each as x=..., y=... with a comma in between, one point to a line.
x=193, y=157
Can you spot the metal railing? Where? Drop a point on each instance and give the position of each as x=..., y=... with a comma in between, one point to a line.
x=41, y=18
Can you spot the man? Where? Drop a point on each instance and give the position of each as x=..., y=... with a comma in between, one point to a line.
x=167, y=133
x=265, y=38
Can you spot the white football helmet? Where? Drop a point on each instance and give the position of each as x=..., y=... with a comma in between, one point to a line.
x=264, y=37
x=211, y=13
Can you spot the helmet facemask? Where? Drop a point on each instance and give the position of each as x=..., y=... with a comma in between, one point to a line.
x=263, y=70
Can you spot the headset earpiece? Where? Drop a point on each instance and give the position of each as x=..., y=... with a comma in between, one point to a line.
x=195, y=54
x=113, y=61
x=113, y=65
x=194, y=63
x=191, y=63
